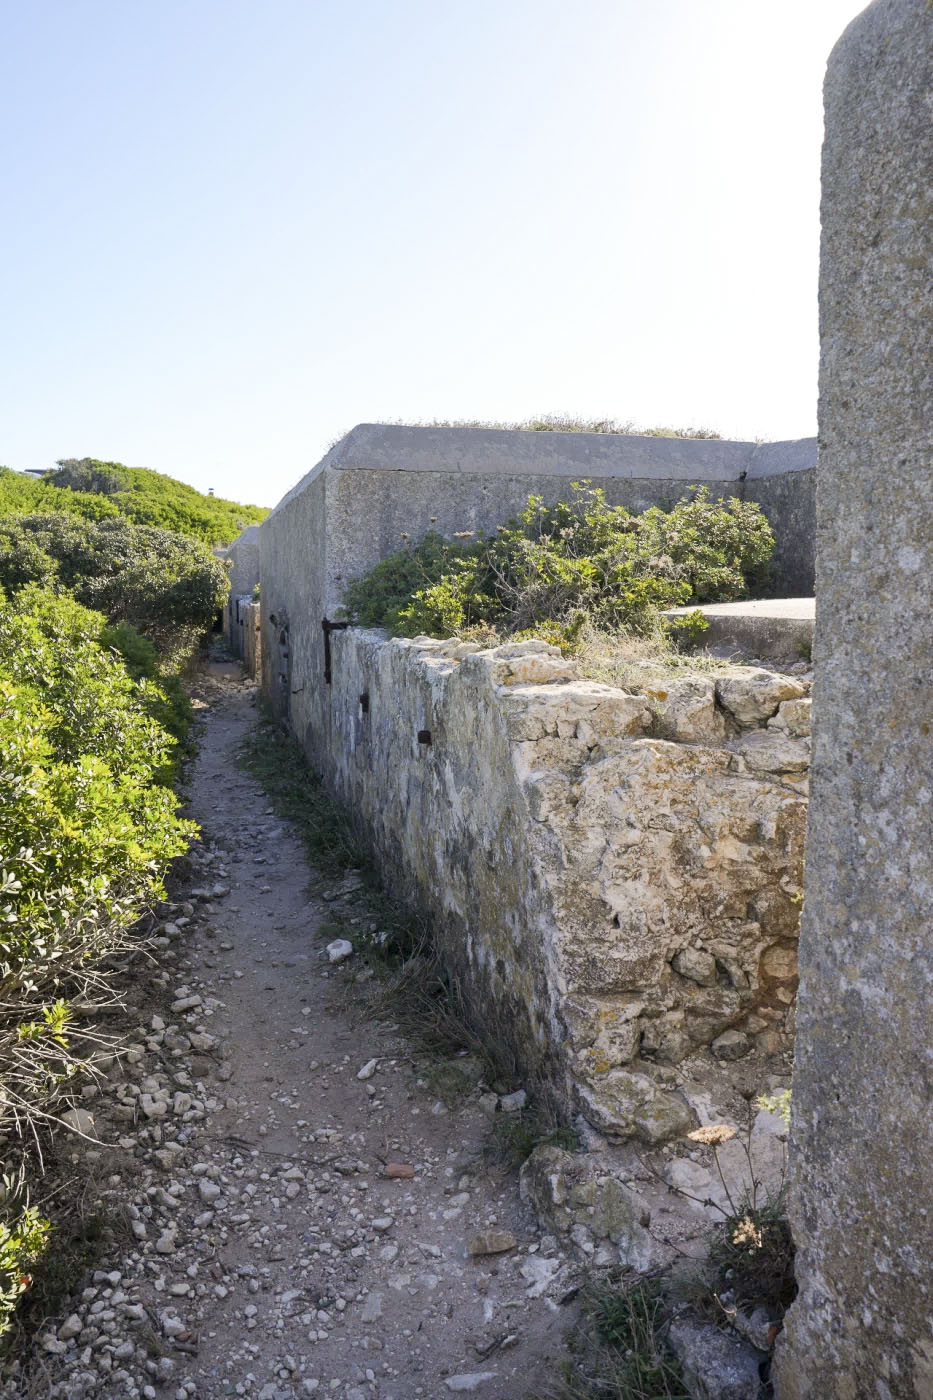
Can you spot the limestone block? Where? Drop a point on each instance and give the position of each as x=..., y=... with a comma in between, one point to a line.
x=793, y=716
x=521, y=663
x=696, y=964
x=626, y=1105
x=603, y=1031
x=717, y=1365
x=770, y=751
x=665, y=1038
x=568, y=1191
x=583, y=710
x=685, y=710
x=731, y=1045
x=753, y=694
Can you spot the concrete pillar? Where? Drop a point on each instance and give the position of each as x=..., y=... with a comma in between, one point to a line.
x=862, y=1130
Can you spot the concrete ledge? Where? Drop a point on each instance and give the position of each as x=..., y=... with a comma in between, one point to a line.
x=508, y=451
x=778, y=458
x=780, y=628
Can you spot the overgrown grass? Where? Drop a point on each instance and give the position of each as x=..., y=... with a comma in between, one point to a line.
x=569, y=423
x=619, y=1350
x=633, y=663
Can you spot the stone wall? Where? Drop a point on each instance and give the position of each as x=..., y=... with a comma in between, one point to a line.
x=242, y=560
x=862, y=1127
x=614, y=876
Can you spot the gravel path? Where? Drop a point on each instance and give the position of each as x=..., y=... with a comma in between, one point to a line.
x=248, y=1132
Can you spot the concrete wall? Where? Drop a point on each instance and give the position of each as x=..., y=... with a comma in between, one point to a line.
x=782, y=479
x=242, y=559
x=251, y=643
x=614, y=876
x=862, y=1128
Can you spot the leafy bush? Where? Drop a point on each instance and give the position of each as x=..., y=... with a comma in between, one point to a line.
x=551, y=566
x=164, y=696
x=86, y=828
x=24, y=1235
x=159, y=582
x=151, y=498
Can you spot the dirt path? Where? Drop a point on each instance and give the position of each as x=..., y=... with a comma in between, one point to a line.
x=271, y=1257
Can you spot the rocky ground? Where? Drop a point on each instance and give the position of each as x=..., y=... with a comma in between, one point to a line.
x=305, y=1216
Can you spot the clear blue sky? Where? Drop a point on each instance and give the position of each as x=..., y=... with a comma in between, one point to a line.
x=232, y=229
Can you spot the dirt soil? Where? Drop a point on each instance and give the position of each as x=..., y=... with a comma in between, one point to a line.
x=247, y=1138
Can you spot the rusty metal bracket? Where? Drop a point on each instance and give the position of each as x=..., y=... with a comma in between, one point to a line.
x=327, y=627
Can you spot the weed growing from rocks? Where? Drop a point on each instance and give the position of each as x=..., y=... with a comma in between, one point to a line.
x=515, y=1136
x=751, y=1256
x=620, y=1349
x=747, y=1278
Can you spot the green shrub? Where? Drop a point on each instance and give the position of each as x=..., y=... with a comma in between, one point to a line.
x=51, y=649
x=556, y=566
x=687, y=630
x=164, y=695
x=86, y=828
x=159, y=582
x=24, y=1235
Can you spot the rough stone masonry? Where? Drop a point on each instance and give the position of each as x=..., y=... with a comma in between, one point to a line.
x=862, y=1132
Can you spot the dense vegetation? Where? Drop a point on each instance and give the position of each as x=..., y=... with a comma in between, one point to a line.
x=30, y=495
x=96, y=490
x=162, y=583
x=107, y=580
x=553, y=568
x=87, y=828
x=149, y=498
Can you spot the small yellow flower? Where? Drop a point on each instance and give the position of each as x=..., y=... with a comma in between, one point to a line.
x=714, y=1135
x=747, y=1233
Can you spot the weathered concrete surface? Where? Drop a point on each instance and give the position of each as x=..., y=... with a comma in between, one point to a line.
x=862, y=1132
x=771, y=627
x=242, y=560
x=614, y=877
x=250, y=637
x=782, y=479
